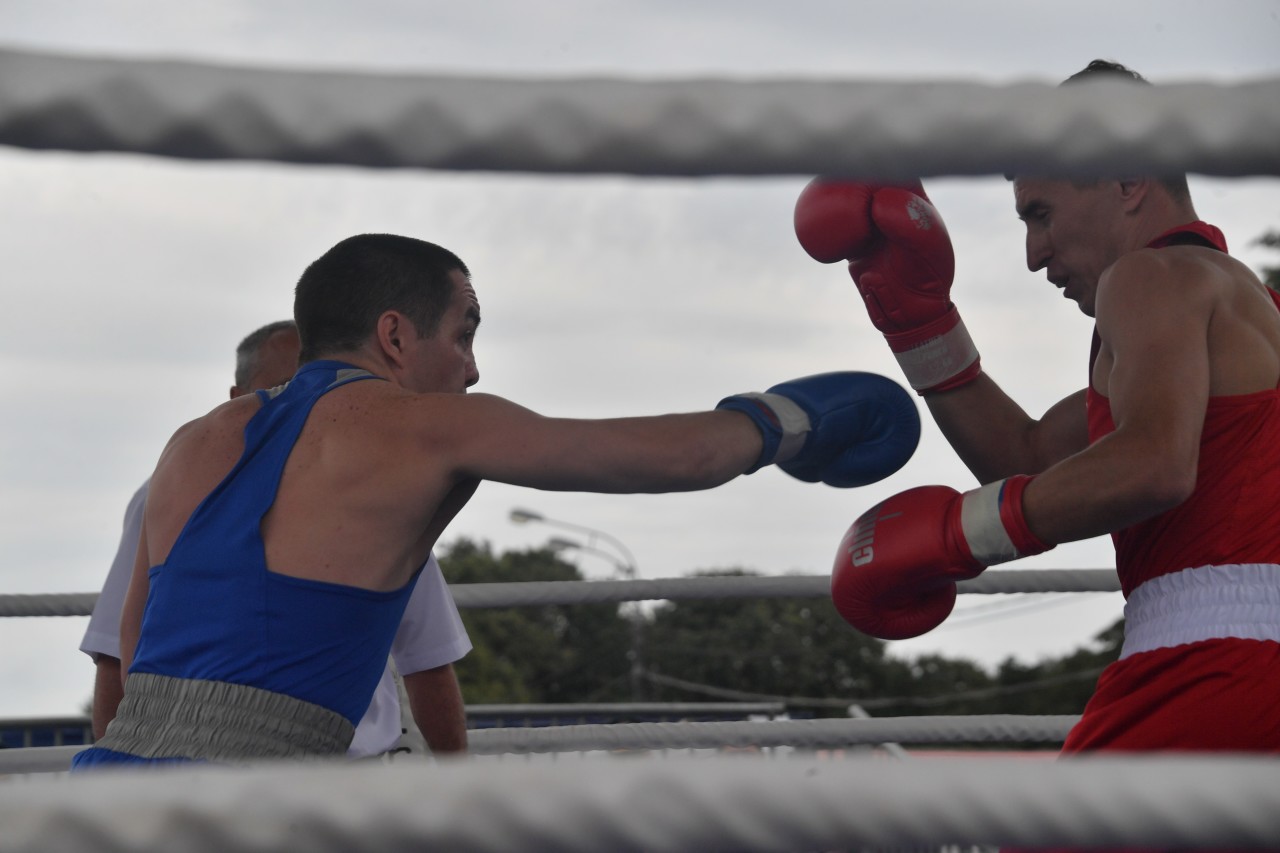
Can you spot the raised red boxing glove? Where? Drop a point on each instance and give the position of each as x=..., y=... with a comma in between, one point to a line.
x=833, y=218
x=895, y=573
x=900, y=258
x=905, y=275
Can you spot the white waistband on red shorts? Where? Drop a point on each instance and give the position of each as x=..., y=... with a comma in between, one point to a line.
x=1204, y=603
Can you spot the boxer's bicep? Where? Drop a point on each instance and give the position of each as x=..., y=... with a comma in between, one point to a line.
x=1156, y=332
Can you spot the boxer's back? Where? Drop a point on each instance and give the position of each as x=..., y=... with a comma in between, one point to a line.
x=357, y=504
x=198, y=457
x=361, y=502
x=1244, y=334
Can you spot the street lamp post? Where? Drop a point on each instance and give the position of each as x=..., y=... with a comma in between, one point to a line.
x=560, y=543
x=626, y=566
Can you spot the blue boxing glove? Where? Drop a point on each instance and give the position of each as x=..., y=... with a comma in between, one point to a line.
x=844, y=429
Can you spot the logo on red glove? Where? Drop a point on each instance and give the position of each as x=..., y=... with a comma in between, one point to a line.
x=920, y=213
x=860, y=545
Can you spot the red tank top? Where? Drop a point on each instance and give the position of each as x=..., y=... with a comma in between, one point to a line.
x=1231, y=517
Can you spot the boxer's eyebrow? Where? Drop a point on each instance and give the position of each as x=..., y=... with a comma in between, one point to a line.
x=1031, y=210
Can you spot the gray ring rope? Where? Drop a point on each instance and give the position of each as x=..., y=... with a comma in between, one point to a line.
x=538, y=593
x=677, y=803
x=873, y=129
x=801, y=734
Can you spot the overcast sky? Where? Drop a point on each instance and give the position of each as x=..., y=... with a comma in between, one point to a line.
x=129, y=280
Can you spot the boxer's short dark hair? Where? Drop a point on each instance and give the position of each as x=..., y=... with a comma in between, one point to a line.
x=342, y=293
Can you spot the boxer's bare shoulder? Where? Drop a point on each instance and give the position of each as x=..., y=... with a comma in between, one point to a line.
x=198, y=456
x=1189, y=302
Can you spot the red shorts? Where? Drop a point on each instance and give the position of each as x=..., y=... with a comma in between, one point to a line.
x=1221, y=694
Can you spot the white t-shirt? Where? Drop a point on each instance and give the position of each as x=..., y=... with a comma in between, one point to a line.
x=431, y=633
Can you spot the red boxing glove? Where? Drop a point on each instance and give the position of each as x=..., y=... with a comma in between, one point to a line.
x=901, y=259
x=896, y=571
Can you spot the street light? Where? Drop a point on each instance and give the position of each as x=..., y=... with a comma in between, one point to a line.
x=625, y=566
x=560, y=543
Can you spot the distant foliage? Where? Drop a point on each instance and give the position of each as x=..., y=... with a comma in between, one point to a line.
x=801, y=649
x=554, y=653
x=774, y=646
x=1270, y=275
x=794, y=650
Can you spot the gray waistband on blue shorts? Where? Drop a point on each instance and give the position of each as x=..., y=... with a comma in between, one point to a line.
x=165, y=717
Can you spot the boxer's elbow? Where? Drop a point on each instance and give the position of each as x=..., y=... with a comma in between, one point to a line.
x=1161, y=487
x=1151, y=471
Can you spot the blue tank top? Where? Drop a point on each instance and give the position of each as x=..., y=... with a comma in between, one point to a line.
x=216, y=612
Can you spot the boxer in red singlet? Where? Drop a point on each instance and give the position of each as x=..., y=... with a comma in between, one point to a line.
x=1200, y=666
x=1173, y=448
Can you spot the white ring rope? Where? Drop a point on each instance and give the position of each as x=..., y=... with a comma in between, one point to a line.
x=37, y=759
x=678, y=803
x=48, y=604
x=804, y=734
x=872, y=129
x=539, y=593
x=801, y=734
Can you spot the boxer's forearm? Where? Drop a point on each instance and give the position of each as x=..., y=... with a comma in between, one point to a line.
x=108, y=690
x=438, y=708
x=1117, y=482
x=995, y=438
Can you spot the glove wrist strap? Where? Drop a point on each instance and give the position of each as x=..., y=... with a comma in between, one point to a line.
x=995, y=528
x=937, y=356
x=793, y=421
x=784, y=426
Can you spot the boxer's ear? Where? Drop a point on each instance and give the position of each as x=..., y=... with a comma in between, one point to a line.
x=1133, y=191
x=393, y=331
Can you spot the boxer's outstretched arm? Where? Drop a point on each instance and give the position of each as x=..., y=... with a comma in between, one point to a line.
x=844, y=429
x=494, y=439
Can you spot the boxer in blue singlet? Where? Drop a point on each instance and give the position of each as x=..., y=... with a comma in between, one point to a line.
x=276, y=644
x=281, y=535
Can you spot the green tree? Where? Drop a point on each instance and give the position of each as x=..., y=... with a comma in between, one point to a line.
x=553, y=653
x=1270, y=275
x=774, y=646
x=796, y=650
x=932, y=684
x=939, y=685
x=1058, y=685
x=801, y=649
